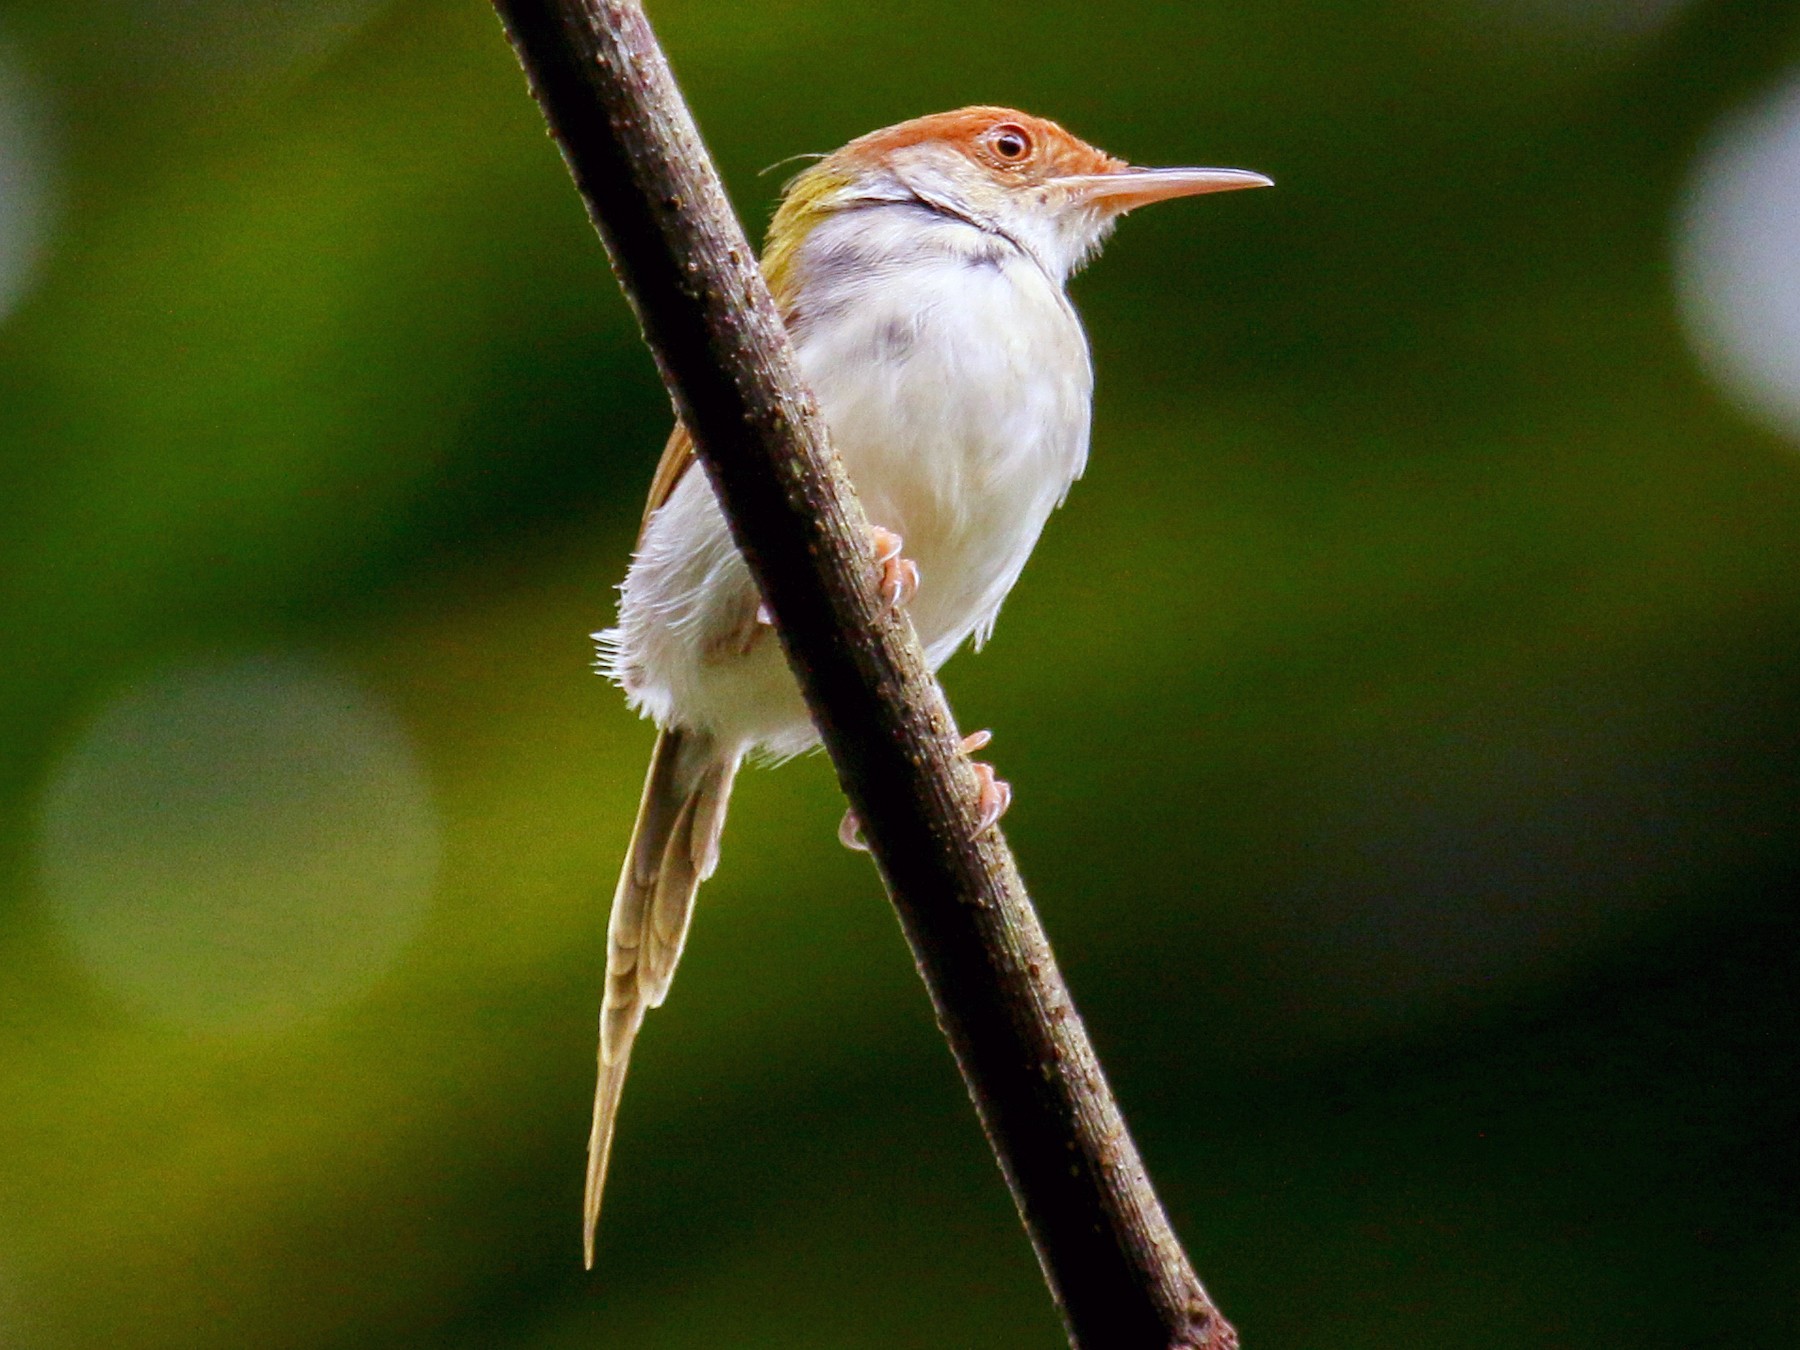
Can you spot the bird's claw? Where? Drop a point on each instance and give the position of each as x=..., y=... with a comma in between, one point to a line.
x=996, y=793
x=994, y=797
x=897, y=578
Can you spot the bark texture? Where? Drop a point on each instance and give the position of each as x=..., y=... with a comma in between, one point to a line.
x=1113, y=1264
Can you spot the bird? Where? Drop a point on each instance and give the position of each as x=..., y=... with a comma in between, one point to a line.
x=921, y=273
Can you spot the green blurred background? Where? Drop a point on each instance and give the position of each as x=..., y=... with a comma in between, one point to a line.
x=1403, y=712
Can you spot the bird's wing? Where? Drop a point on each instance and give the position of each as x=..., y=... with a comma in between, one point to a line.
x=677, y=459
x=678, y=454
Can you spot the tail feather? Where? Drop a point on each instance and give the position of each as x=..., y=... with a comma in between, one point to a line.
x=674, y=847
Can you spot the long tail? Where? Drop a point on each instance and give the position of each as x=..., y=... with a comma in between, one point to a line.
x=674, y=847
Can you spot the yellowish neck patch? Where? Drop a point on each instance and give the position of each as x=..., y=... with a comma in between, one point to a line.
x=809, y=198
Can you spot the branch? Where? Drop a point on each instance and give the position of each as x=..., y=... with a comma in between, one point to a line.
x=1113, y=1264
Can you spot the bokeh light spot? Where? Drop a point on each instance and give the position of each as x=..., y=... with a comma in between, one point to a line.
x=1738, y=259
x=26, y=176
x=236, y=845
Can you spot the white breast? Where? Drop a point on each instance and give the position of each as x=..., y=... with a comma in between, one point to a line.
x=954, y=376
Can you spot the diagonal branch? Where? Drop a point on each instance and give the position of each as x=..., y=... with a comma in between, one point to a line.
x=1113, y=1264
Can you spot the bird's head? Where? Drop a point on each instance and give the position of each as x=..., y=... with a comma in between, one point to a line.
x=1001, y=170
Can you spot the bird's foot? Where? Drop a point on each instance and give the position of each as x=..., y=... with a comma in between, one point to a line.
x=896, y=578
x=996, y=795
x=996, y=792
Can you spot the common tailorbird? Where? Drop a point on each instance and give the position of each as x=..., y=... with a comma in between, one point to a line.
x=920, y=273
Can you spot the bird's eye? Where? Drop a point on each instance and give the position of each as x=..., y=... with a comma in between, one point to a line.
x=1010, y=143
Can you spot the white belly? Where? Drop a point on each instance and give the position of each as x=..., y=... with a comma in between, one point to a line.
x=957, y=388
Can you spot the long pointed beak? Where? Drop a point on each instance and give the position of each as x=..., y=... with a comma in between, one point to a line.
x=1127, y=189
